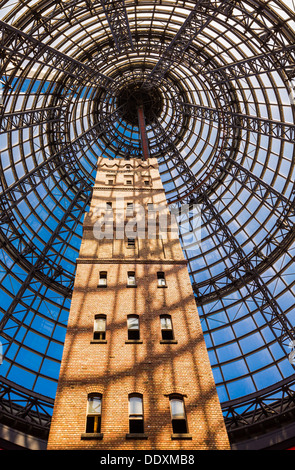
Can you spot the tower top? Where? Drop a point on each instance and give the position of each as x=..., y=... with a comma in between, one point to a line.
x=123, y=164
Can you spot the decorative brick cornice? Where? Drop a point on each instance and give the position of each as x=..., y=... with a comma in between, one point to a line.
x=129, y=261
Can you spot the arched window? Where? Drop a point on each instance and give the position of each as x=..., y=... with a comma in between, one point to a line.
x=93, y=419
x=133, y=327
x=99, y=329
x=166, y=327
x=178, y=415
x=136, y=423
x=129, y=208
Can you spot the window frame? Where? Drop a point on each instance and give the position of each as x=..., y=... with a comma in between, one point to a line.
x=103, y=275
x=169, y=336
x=136, y=420
x=128, y=180
x=94, y=433
x=131, y=279
x=131, y=243
x=161, y=279
x=110, y=179
x=129, y=209
x=151, y=207
x=133, y=334
x=179, y=424
x=99, y=335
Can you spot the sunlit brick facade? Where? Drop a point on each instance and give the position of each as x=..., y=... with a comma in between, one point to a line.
x=135, y=372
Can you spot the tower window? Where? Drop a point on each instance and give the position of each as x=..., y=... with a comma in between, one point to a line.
x=109, y=206
x=166, y=327
x=136, y=414
x=147, y=182
x=161, y=279
x=131, y=278
x=178, y=415
x=131, y=242
x=133, y=327
x=128, y=180
x=99, y=330
x=110, y=179
x=102, y=282
x=151, y=207
x=129, y=208
x=93, y=420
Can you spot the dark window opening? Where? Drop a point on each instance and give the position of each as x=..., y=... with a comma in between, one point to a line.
x=102, y=278
x=93, y=424
x=179, y=426
x=136, y=426
x=131, y=242
x=161, y=279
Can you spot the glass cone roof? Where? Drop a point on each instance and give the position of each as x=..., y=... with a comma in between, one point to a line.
x=222, y=76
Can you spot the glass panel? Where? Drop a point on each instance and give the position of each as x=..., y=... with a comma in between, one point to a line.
x=166, y=323
x=131, y=279
x=94, y=405
x=135, y=406
x=133, y=323
x=99, y=324
x=177, y=408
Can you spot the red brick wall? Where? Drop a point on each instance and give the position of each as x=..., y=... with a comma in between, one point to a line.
x=115, y=368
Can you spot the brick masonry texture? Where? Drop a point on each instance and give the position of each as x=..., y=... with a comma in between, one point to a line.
x=116, y=368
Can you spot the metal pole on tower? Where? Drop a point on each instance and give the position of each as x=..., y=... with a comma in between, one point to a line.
x=143, y=134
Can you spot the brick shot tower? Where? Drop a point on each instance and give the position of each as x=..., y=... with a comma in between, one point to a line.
x=135, y=372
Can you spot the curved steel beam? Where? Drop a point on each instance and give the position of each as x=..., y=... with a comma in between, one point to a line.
x=274, y=316
x=34, y=414
x=256, y=288
x=268, y=127
x=116, y=14
x=65, y=158
x=282, y=59
x=275, y=403
x=17, y=45
x=23, y=119
x=269, y=249
x=41, y=259
x=198, y=19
